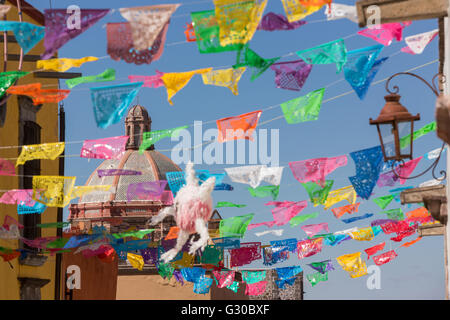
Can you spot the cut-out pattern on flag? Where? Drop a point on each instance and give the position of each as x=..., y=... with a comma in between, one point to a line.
x=418, y=213
x=384, y=257
x=346, y=193
x=53, y=191
x=303, y=109
x=350, y=208
x=39, y=95
x=228, y=78
x=30, y=209
x=254, y=175
x=288, y=272
x=251, y=277
x=189, y=33
x=234, y=286
x=273, y=21
x=149, y=138
x=176, y=81
x=7, y=79
x=265, y=191
x=368, y=164
x=255, y=289
x=235, y=226
x=406, y=232
x=317, y=194
x=359, y=64
x=418, y=42
x=312, y=229
x=364, y=234
x=107, y=75
x=385, y=33
x=334, y=240
x=211, y=256
x=136, y=261
x=106, y=148
x=18, y=196
x=145, y=190
x=291, y=75
x=120, y=44
x=286, y=210
x=295, y=10
x=405, y=170
x=176, y=179
x=63, y=64
x=339, y=11
x=224, y=278
x=309, y=247
x=275, y=254
x=350, y=220
x=291, y=244
x=394, y=226
x=331, y=52
x=185, y=261
x=406, y=140
x=111, y=102
x=80, y=191
x=147, y=22
x=117, y=172
x=165, y=270
x=153, y=81
x=281, y=284
x=6, y=168
x=49, y=151
x=315, y=170
x=315, y=278
x=246, y=57
x=207, y=32
x=238, y=127
x=322, y=267
x=248, y=252
x=238, y=20
x=372, y=250
x=61, y=26
x=394, y=214
x=295, y=221
x=353, y=264
x=27, y=35
x=361, y=90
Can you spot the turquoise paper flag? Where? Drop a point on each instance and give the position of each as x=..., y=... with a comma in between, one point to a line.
x=265, y=191
x=251, y=277
x=359, y=63
x=249, y=58
x=305, y=108
x=317, y=277
x=110, y=103
x=331, y=52
x=107, y=75
x=27, y=34
x=361, y=90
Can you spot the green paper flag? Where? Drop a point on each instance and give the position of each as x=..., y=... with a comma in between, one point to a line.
x=252, y=277
x=317, y=277
x=211, y=255
x=107, y=75
x=222, y=204
x=406, y=140
x=295, y=221
x=317, y=194
x=53, y=225
x=265, y=191
x=395, y=214
x=331, y=52
x=383, y=202
x=305, y=108
x=165, y=270
x=58, y=243
x=235, y=226
x=151, y=137
x=251, y=59
x=7, y=79
x=207, y=32
x=137, y=234
x=234, y=286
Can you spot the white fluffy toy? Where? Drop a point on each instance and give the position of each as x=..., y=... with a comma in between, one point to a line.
x=192, y=209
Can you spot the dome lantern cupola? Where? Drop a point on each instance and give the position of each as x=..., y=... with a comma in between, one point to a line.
x=136, y=123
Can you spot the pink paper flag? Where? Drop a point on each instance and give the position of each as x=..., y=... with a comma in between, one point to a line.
x=39, y=243
x=386, y=32
x=286, y=210
x=313, y=229
x=309, y=247
x=106, y=148
x=269, y=224
x=255, y=289
x=225, y=278
x=154, y=81
x=7, y=168
x=248, y=252
x=406, y=170
x=11, y=221
x=384, y=257
x=315, y=170
x=18, y=196
x=387, y=179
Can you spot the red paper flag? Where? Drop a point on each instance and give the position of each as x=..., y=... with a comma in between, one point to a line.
x=351, y=208
x=238, y=127
x=372, y=250
x=408, y=244
x=384, y=257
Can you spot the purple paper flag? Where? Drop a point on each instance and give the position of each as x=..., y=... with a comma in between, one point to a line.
x=291, y=75
x=117, y=172
x=146, y=190
x=273, y=21
x=62, y=25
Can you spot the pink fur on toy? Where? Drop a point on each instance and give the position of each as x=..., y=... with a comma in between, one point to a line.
x=191, y=211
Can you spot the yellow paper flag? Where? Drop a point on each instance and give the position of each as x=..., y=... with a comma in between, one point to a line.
x=364, y=234
x=136, y=261
x=238, y=20
x=53, y=191
x=224, y=78
x=40, y=151
x=295, y=10
x=353, y=264
x=176, y=81
x=186, y=261
x=62, y=64
x=80, y=191
x=346, y=193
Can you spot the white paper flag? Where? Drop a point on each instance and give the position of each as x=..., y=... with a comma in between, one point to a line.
x=340, y=11
x=278, y=232
x=347, y=231
x=254, y=175
x=433, y=154
x=430, y=183
x=418, y=42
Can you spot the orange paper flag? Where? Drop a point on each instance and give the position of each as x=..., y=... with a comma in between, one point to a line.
x=38, y=94
x=408, y=244
x=173, y=233
x=238, y=127
x=418, y=213
x=350, y=208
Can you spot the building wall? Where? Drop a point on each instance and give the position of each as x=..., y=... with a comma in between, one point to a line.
x=47, y=118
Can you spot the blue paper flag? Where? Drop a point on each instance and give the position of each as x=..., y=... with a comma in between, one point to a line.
x=350, y=220
x=334, y=240
x=202, y=285
x=193, y=274
x=111, y=102
x=290, y=243
x=288, y=272
x=36, y=208
x=361, y=90
x=26, y=34
x=359, y=63
x=368, y=164
x=177, y=179
x=282, y=283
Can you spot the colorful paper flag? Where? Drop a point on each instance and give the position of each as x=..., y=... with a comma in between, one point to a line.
x=273, y=21
x=238, y=127
x=53, y=191
x=27, y=35
x=346, y=193
x=228, y=78
x=63, y=64
x=312, y=229
x=153, y=81
x=353, y=264
x=105, y=148
x=291, y=75
x=386, y=32
x=265, y=191
x=331, y=52
x=49, y=151
x=235, y=226
x=149, y=138
x=309, y=247
x=315, y=170
x=295, y=10
x=295, y=221
x=303, y=109
x=176, y=81
x=7, y=79
x=317, y=194
x=317, y=277
x=418, y=42
x=107, y=75
x=246, y=57
x=384, y=257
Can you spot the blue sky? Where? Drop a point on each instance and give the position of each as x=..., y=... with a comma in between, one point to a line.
x=343, y=127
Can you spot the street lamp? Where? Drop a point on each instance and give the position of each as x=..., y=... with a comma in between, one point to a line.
x=395, y=125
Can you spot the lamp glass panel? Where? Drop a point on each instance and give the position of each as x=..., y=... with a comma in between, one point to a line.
x=387, y=134
x=404, y=130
